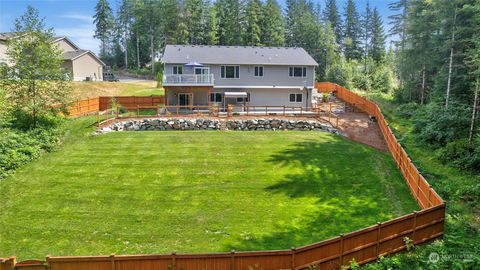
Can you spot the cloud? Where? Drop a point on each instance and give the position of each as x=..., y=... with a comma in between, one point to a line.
x=79, y=17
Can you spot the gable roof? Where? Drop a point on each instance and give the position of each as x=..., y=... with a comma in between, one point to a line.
x=72, y=55
x=240, y=55
x=56, y=39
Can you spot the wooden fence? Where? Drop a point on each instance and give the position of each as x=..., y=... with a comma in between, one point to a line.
x=364, y=245
x=93, y=105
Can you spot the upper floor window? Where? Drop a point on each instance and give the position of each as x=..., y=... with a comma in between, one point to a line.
x=258, y=71
x=297, y=72
x=178, y=70
x=230, y=72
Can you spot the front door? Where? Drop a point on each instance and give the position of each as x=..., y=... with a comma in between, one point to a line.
x=184, y=99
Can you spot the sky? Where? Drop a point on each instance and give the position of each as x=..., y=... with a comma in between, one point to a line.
x=73, y=18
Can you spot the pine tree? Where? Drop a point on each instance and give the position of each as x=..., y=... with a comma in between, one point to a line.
x=332, y=16
x=210, y=24
x=352, y=32
x=273, y=27
x=192, y=16
x=104, y=26
x=398, y=29
x=231, y=21
x=124, y=22
x=377, y=43
x=253, y=20
x=366, y=25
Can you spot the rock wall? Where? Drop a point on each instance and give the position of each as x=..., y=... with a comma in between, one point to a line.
x=216, y=124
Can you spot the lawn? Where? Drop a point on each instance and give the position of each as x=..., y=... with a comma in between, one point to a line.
x=84, y=90
x=198, y=191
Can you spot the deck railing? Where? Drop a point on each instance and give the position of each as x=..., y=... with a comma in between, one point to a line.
x=188, y=79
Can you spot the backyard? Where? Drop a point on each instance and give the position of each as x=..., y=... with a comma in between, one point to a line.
x=83, y=90
x=199, y=191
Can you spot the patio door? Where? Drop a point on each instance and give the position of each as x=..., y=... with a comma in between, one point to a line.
x=184, y=99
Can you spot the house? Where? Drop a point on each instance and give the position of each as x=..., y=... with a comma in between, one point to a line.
x=83, y=64
x=197, y=75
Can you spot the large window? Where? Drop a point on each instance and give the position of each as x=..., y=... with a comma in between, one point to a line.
x=258, y=72
x=244, y=99
x=216, y=97
x=230, y=72
x=178, y=70
x=297, y=72
x=296, y=98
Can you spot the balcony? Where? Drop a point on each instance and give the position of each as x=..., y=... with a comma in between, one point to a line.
x=188, y=79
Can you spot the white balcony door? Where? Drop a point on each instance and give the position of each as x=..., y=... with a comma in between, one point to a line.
x=202, y=70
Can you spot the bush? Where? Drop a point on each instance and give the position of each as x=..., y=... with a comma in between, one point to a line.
x=437, y=126
x=17, y=147
x=407, y=110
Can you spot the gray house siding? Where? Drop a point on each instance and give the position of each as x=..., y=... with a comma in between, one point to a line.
x=272, y=76
x=258, y=96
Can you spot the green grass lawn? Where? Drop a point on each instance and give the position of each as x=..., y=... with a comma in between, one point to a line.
x=199, y=191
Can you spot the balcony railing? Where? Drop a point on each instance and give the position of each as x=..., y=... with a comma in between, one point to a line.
x=188, y=79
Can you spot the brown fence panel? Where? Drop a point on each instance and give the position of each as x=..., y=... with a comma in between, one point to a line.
x=82, y=107
x=362, y=246
x=266, y=260
x=131, y=101
x=80, y=263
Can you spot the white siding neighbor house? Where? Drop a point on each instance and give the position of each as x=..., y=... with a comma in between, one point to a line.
x=83, y=64
x=197, y=75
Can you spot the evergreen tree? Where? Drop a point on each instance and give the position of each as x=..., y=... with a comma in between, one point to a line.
x=377, y=43
x=210, y=24
x=398, y=29
x=332, y=16
x=253, y=20
x=104, y=26
x=123, y=23
x=231, y=21
x=352, y=32
x=273, y=27
x=192, y=16
x=366, y=25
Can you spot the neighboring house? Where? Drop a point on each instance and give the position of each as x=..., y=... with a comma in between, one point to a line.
x=82, y=63
x=238, y=75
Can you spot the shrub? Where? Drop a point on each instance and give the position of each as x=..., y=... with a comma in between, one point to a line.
x=407, y=110
x=437, y=126
x=17, y=147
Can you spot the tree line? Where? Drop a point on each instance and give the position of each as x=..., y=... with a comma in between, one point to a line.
x=135, y=35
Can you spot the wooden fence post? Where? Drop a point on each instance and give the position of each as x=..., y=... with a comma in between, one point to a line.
x=112, y=259
x=341, y=249
x=377, y=249
x=98, y=119
x=293, y=250
x=174, y=261
x=232, y=260
x=429, y=195
x=414, y=225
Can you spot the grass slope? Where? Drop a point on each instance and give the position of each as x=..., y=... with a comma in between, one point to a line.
x=200, y=191
x=84, y=90
x=460, y=246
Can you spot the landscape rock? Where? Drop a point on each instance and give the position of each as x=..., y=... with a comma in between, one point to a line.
x=165, y=124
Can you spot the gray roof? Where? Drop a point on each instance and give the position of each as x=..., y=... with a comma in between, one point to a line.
x=240, y=55
x=72, y=55
x=7, y=35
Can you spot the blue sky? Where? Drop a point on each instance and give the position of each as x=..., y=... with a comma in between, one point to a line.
x=73, y=18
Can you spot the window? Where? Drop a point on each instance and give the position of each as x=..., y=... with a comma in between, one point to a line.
x=297, y=72
x=244, y=99
x=297, y=98
x=178, y=70
x=215, y=97
x=258, y=72
x=230, y=72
